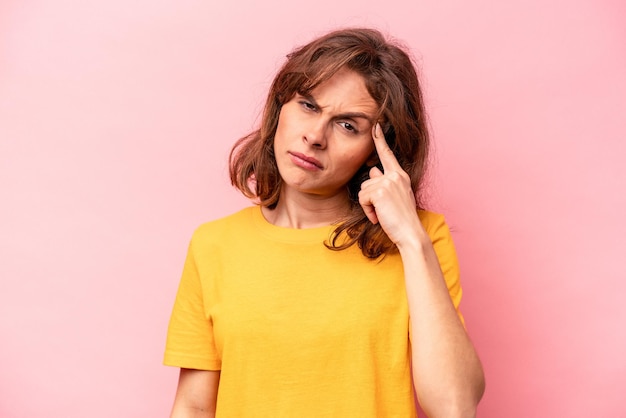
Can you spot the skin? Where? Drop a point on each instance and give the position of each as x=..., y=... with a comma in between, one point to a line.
x=333, y=126
x=196, y=396
x=447, y=373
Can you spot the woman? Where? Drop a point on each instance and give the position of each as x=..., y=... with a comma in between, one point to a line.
x=336, y=296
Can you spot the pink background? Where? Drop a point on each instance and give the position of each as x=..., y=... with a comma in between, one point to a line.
x=116, y=118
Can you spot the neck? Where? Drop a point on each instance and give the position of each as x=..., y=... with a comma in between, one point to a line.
x=306, y=211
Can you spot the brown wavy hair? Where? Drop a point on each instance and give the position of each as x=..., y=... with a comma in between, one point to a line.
x=391, y=80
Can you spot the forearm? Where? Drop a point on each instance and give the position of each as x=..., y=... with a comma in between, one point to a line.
x=196, y=396
x=447, y=373
x=190, y=412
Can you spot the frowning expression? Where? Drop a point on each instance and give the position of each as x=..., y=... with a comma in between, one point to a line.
x=323, y=138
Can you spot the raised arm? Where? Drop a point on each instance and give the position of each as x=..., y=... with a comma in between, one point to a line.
x=196, y=396
x=447, y=373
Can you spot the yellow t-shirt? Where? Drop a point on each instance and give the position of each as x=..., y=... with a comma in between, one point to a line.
x=296, y=329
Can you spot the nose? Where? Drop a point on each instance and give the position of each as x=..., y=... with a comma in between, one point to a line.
x=315, y=134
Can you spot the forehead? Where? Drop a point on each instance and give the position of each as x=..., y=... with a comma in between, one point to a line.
x=345, y=91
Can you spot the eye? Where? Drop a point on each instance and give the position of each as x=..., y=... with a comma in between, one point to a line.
x=308, y=105
x=349, y=127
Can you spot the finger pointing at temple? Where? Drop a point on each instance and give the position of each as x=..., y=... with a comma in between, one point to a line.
x=385, y=154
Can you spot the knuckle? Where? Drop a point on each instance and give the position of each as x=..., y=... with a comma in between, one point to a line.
x=399, y=176
x=380, y=193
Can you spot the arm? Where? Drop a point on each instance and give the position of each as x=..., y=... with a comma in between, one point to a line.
x=447, y=373
x=196, y=396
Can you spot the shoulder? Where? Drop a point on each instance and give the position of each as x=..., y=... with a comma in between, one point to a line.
x=439, y=233
x=437, y=229
x=434, y=223
x=221, y=228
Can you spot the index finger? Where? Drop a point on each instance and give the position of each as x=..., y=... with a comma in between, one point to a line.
x=385, y=154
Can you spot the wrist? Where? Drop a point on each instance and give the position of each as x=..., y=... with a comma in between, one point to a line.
x=417, y=242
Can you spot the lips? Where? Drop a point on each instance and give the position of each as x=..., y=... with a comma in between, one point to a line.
x=305, y=161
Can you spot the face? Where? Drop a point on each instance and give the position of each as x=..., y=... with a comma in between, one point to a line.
x=324, y=138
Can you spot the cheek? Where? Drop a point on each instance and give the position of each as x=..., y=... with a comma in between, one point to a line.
x=362, y=154
x=357, y=158
x=279, y=138
x=284, y=128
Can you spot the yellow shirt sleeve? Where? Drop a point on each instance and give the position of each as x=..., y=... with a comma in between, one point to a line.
x=190, y=338
x=439, y=233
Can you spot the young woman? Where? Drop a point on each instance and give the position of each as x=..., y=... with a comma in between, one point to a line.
x=336, y=295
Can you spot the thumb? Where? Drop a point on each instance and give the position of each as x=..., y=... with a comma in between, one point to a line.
x=375, y=172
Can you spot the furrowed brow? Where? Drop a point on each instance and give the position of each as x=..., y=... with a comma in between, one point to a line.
x=355, y=115
x=310, y=99
x=346, y=115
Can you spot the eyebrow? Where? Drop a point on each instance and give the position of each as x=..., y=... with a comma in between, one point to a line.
x=347, y=115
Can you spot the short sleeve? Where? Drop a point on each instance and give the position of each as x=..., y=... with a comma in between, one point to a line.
x=439, y=233
x=190, y=342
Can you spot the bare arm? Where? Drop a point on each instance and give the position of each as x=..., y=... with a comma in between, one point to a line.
x=196, y=396
x=447, y=373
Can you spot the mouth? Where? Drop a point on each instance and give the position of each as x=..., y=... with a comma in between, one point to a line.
x=304, y=161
